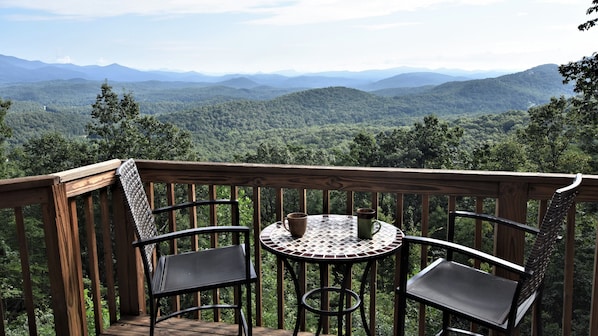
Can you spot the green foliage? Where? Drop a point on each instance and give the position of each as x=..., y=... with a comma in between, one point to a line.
x=280, y=153
x=5, y=133
x=507, y=155
x=27, y=125
x=120, y=131
x=590, y=23
x=52, y=152
x=431, y=144
x=583, y=72
x=89, y=311
x=549, y=136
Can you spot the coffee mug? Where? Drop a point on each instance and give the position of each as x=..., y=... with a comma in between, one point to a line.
x=296, y=223
x=366, y=222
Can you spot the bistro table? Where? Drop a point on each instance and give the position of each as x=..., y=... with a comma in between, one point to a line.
x=331, y=239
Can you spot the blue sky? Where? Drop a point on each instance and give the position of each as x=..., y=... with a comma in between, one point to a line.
x=251, y=36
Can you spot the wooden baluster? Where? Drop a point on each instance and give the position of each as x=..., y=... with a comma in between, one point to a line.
x=108, y=255
x=279, y=263
x=257, y=253
x=25, y=270
x=398, y=223
x=569, y=274
x=92, y=254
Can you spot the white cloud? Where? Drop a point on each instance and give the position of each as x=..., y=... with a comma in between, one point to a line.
x=108, y=8
x=566, y=2
x=275, y=11
x=385, y=26
x=102, y=61
x=64, y=60
x=316, y=11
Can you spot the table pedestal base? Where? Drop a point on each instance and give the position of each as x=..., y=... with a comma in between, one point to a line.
x=340, y=312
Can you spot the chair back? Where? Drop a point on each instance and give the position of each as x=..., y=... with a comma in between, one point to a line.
x=138, y=208
x=545, y=243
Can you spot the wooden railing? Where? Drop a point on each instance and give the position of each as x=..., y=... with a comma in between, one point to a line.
x=86, y=235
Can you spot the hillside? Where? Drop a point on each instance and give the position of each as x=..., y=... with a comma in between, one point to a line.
x=154, y=97
x=490, y=95
x=335, y=105
x=245, y=113
x=285, y=117
x=414, y=79
x=517, y=91
x=341, y=105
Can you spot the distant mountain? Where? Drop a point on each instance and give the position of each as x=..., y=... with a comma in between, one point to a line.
x=154, y=97
x=219, y=111
x=414, y=79
x=239, y=83
x=348, y=106
x=15, y=70
x=517, y=91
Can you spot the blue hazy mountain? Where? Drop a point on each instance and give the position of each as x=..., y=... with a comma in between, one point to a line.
x=15, y=70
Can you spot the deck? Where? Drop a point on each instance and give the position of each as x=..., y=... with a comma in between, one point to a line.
x=82, y=210
x=139, y=326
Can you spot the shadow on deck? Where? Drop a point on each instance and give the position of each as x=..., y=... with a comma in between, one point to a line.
x=139, y=326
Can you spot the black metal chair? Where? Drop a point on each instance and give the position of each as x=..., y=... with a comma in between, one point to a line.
x=190, y=272
x=460, y=290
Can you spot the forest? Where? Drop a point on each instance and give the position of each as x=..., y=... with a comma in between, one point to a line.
x=217, y=117
x=483, y=125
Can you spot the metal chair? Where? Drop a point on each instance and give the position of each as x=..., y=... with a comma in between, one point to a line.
x=190, y=272
x=460, y=290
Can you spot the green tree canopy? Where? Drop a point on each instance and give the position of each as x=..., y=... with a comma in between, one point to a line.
x=585, y=75
x=590, y=23
x=52, y=152
x=549, y=135
x=120, y=131
x=5, y=133
x=431, y=144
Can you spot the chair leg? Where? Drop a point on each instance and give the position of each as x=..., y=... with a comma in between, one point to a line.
x=153, y=314
x=249, y=320
x=249, y=330
x=446, y=321
x=401, y=311
x=239, y=317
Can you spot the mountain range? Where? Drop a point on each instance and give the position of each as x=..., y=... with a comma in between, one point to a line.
x=246, y=109
x=16, y=70
x=34, y=85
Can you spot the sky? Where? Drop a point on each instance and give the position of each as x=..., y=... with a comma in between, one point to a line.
x=305, y=36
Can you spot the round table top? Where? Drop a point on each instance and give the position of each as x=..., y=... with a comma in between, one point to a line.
x=330, y=239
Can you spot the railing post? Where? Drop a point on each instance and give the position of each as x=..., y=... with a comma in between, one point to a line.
x=509, y=243
x=512, y=204
x=129, y=268
x=64, y=265
x=594, y=308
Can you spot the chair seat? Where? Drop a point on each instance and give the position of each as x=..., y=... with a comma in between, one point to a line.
x=464, y=290
x=206, y=269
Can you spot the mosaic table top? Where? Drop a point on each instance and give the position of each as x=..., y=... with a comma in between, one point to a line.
x=331, y=238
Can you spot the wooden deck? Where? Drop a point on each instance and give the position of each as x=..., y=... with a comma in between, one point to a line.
x=139, y=326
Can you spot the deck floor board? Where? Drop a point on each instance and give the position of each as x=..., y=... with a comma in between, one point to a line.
x=139, y=326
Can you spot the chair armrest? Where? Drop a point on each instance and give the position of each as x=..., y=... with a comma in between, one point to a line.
x=497, y=220
x=192, y=232
x=192, y=204
x=449, y=246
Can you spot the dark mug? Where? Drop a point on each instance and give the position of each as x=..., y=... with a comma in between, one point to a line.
x=366, y=222
x=296, y=223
